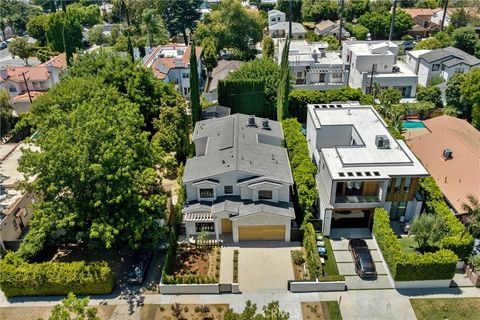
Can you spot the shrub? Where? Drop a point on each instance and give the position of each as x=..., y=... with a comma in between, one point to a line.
x=303, y=169
x=457, y=239
x=244, y=96
x=297, y=257
x=19, y=278
x=300, y=98
x=310, y=246
x=410, y=266
x=235, y=266
x=360, y=32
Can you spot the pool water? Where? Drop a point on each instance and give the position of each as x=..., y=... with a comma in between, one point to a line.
x=412, y=124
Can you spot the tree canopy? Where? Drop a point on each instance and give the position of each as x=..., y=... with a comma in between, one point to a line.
x=15, y=14
x=379, y=23
x=20, y=47
x=465, y=39
x=180, y=15
x=316, y=11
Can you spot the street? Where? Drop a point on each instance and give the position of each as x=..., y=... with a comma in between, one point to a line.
x=7, y=60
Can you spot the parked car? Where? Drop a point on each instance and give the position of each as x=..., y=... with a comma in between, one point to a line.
x=364, y=265
x=3, y=45
x=137, y=273
x=408, y=44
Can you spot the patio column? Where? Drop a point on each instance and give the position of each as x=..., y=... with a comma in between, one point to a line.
x=216, y=229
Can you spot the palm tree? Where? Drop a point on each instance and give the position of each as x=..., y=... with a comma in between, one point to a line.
x=150, y=24
x=472, y=210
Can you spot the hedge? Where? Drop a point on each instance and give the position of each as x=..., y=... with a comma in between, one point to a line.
x=410, y=266
x=312, y=256
x=458, y=239
x=303, y=169
x=19, y=278
x=244, y=96
x=300, y=98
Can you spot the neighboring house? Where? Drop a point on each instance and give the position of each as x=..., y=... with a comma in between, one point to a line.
x=21, y=103
x=15, y=207
x=360, y=167
x=38, y=78
x=215, y=112
x=330, y=28
x=451, y=154
x=274, y=17
x=238, y=183
x=171, y=63
x=220, y=72
x=379, y=58
x=437, y=16
x=313, y=66
x=440, y=63
x=423, y=22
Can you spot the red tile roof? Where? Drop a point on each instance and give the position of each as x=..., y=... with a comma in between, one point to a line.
x=24, y=96
x=59, y=62
x=169, y=63
x=31, y=73
x=415, y=12
x=459, y=176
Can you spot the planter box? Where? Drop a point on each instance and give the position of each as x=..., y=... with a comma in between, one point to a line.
x=418, y=284
x=315, y=286
x=473, y=275
x=189, y=288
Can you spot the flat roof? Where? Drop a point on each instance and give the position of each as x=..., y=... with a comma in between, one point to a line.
x=366, y=156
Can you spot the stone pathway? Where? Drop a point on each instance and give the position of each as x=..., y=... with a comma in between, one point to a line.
x=226, y=265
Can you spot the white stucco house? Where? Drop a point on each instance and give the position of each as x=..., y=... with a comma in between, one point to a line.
x=238, y=183
x=440, y=63
x=313, y=66
x=278, y=27
x=275, y=16
x=361, y=166
x=377, y=59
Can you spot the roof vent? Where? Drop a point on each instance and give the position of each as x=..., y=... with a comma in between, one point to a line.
x=382, y=142
x=447, y=154
x=251, y=121
x=265, y=124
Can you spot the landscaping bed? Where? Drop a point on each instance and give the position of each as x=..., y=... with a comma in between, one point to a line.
x=183, y=311
x=451, y=308
x=322, y=310
x=34, y=313
x=300, y=270
x=235, y=266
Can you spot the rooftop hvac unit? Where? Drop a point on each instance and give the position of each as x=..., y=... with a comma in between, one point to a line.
x=251, y=121
x=265, y=124
x=382, y=142
x=447, y=154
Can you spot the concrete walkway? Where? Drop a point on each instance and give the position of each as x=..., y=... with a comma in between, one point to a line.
x=226, y=265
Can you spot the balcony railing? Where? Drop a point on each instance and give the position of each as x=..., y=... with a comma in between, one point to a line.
x=356, y=199
x=300, y=81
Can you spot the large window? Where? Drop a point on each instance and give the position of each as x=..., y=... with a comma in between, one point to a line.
x=12, y=89
x=207, y=226
x=435, y=67
x=398, y=184
x=206, y=193
x=228, y=189
x=408, y=183
x=398, y=209
x=353, y=188
x=265, y=194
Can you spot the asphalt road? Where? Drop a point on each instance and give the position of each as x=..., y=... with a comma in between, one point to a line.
x=7, y=60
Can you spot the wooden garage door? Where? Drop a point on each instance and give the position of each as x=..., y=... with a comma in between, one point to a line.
x=276, y=232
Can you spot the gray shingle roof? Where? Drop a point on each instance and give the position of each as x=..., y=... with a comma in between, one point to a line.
x=453, y=55
x=234, y=146
x=296, y=27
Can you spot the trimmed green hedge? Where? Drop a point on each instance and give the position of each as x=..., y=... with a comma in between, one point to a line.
x=300, y=98
x=19, y=278
x=303, y=169
x=410, y=266
x=244, y=96
x=458, y=239
x=312, y=256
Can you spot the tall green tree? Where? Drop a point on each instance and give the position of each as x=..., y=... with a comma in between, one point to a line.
x=15, y=14
x=180, y=15
x=428, y=229
x=36, y=28
x=95, y=165
x=194, y=87
x=284, y=5
x=472, y=209
x=315, y=11
x=268, y=47
x=210, y=54
x=354, y=9
x=6, y=117
x=73, y=308
x=284, y=85
x=471, y=96
x=465, y=39
x=60, y=24
x=453, y=95
x=379, y=23
x=150, y=25
x=20, y=47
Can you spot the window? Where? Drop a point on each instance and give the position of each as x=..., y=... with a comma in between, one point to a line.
x=443, y=67
x=15, y=224
x=435, y=67
x=265, y=194
x=207, y=226
x=406, y=186
x=336, y=75
x=353, y=188
x=398, y=209
x=228, y=189
x=185, y=75
x=461, y=70
x=385, y=66
x=321, y=78
x=206, y=193
x=12, y=89
x=398, y=183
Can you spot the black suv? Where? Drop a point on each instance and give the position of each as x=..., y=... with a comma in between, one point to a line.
x=364, y=265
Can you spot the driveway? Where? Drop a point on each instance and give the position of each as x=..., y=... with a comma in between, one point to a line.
x=262, y=265
x=340, y=239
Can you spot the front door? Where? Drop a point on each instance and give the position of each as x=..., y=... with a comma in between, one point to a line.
x=226, y=226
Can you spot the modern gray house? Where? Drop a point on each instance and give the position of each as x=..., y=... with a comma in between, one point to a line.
x=239, y=180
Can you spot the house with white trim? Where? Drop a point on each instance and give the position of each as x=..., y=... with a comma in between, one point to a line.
x=373, y=63
x=238, y=183
x=361, y=166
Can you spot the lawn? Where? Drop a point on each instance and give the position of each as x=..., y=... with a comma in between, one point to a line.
x=451, y=309
x=22, y=313
x=330, y=267
x=185, y=311
x=408, y=244
x=322, y=310
x=200, y=261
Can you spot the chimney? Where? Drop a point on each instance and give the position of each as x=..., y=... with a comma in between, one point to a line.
x=3, y=73
x=251, y=121
x=315, y=55
x=265, y=124
x=323, y=54
x=447, y=154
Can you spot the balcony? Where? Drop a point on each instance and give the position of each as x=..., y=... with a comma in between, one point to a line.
x=356, y=199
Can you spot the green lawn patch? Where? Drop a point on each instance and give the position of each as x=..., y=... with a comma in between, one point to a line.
x=333, y=310
x=451, y=309
x=330, y=268
x=408, y=244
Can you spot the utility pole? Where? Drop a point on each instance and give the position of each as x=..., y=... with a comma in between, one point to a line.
x=341, y=22
x=392, y=21
x=290, y=19
x=445, y=7
x=26, y=85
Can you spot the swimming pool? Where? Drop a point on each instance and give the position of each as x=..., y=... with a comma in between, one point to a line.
x=412, y=124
